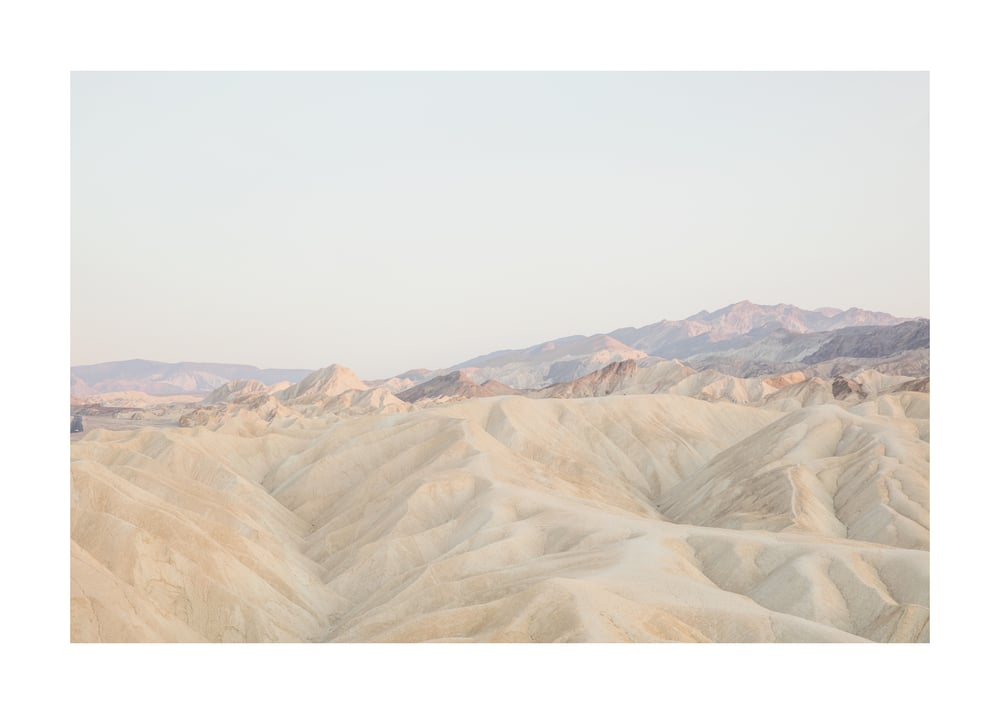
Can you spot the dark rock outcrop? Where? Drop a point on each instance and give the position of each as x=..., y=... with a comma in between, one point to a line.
x=455, y=384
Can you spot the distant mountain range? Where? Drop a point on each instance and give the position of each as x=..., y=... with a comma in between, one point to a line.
x=142, y=375
x=740, y=325
x=893, y=349
x=743, y=340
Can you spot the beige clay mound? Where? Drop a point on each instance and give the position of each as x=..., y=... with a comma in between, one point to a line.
x=619, y=518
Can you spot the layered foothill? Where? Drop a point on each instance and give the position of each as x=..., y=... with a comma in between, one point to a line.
x=452, y=386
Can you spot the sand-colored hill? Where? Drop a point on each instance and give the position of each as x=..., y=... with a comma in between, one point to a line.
x=355, y=402
x=235, y=391
x=820, y=470
x=321, y=385
x=254, y=405
x=617, y=518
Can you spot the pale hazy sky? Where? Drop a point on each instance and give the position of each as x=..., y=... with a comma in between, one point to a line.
x=401, y=220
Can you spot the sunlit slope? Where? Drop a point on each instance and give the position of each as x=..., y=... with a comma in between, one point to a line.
x=820, y=470
x=490, y=519
x=172, y=520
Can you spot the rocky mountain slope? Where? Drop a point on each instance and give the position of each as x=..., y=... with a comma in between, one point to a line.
x=901, y=348
x=740, y=325
x=742, y=339
x=452, y=386
x=549, y=362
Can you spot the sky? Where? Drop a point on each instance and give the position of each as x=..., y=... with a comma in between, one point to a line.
x=387, y=221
